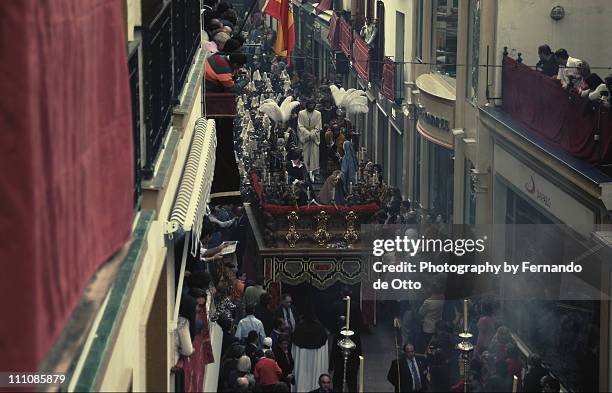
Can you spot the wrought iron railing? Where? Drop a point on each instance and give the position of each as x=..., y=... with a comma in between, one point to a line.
x=185, y=38
x=134, y=75
x=169, y=43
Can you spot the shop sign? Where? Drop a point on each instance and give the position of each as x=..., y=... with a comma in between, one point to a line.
x=540, y=190
x=433, y=120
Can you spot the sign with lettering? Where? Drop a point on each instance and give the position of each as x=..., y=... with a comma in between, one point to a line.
x=541, y=191
x=433, y=120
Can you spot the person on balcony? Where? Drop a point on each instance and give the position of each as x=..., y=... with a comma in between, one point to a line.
x=309, y=126
x=602, y=92
x=548, y=64
x=219, y=71
x=368, y=31
x=568, y=69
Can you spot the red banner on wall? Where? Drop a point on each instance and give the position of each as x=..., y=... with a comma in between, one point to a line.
x=388, y=79
x=361, y=60
x=66, y=195
x=334, y=33
x=346, y=37
x=545, y=109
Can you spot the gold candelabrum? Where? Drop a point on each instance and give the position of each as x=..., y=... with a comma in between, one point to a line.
x=351, y=235
x=321, y=234
x=292, y=235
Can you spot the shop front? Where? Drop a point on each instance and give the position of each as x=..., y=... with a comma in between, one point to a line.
x=434, y=145
x=550, y=222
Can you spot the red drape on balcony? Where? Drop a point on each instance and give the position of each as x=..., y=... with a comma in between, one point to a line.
x=333, y=37
x=323, y=5
x=543, y=106
x=346, y=37
x=361, y=60
x=334, y=33
x=388, y=79
x=67, y=160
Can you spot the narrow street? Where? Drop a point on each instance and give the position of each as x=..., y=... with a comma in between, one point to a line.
x=378, y=347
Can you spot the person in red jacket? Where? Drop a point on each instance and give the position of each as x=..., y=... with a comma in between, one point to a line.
x=267, y=372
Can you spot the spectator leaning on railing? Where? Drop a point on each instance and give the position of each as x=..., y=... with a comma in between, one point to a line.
x=602, y=92
x=220, y=70
x=568, y=69
x=548, y=64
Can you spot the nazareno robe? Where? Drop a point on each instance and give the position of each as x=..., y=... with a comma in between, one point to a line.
x=310, y=353
x=309, y=126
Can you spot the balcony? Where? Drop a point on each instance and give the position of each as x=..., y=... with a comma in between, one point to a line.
x=169, y=42
x=392, y=84
x=562, y=120
x=134, y=74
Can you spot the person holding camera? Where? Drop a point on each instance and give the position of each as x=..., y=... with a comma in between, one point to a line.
x=568, y=69
x=602, y=92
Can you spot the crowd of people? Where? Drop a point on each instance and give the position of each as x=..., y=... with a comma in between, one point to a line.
x=430, y=359
x=575, y=75
x=268, y=344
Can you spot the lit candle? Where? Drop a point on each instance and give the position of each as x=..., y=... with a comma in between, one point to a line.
x=348, y=312
x=465, y=315
x=269, y=179
x=361, y=370
x=350, y=187
x=334, y=193
x=287, y=177
x=514, y=384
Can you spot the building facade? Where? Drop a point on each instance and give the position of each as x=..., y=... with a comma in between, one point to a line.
x=450, y=138
x=127, y=339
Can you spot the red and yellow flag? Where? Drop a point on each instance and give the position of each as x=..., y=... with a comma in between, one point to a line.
x=285, y=34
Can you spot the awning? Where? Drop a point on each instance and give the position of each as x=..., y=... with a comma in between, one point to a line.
x=361, y=59
x=194, y=188
x=388, y=79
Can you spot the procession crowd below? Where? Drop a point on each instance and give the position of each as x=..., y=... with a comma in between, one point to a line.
x=269, y=345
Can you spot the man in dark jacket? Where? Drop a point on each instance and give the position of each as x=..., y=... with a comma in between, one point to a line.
x=324, y=384
x=535, y=373
x=411, y=377
x=548, y=64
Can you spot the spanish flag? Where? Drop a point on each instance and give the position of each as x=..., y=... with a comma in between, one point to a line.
x=285, y=34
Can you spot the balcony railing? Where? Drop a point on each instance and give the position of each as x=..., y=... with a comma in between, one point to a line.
x=133, y=69
x=563, y=119
x=392, y=83
x=185, y=37
x=169, y=43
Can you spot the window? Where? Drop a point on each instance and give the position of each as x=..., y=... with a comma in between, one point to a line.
x=370, y=9
x=378, y=50
x=399, y=54
x=419, y=30
x=445, y=36
x=441, y=167
x=417, y=168
x=397, y=155
x=473, y=55
x=358, y=13
x=469, y=212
